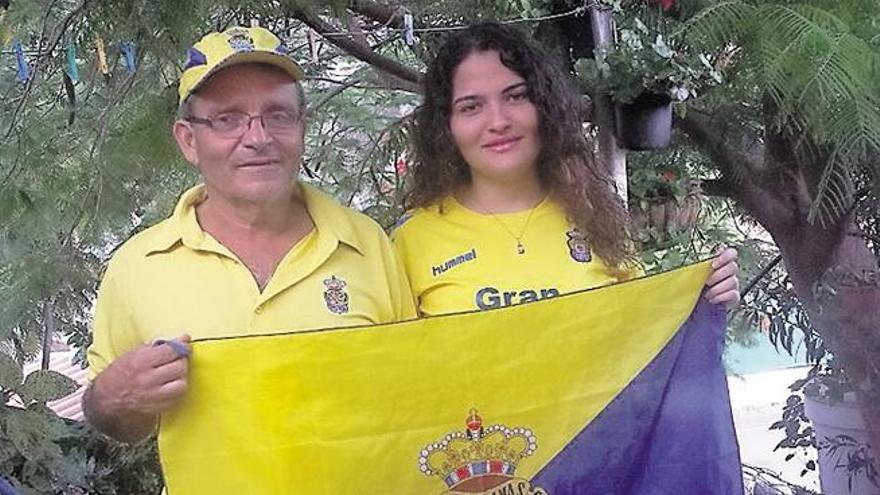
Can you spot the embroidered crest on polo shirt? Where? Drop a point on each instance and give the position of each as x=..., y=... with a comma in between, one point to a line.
x=335, y=296
x=577, y=246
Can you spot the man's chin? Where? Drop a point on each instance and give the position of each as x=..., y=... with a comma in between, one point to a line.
x=262, y=191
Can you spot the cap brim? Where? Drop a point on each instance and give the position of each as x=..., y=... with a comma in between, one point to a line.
x=254, y=57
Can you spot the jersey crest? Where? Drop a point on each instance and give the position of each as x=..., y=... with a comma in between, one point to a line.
x=578, y=248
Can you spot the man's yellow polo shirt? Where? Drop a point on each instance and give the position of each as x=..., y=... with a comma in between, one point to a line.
x=460, y=260
x=174, y=278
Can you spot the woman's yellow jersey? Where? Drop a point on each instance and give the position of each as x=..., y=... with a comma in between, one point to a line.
x=460, y=260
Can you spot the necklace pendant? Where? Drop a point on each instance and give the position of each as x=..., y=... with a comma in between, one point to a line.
x=520, y=249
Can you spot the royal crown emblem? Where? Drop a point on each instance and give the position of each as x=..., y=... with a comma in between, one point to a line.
x=480, y=460
x=335, y=296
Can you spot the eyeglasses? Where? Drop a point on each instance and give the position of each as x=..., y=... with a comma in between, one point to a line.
x=235, y=124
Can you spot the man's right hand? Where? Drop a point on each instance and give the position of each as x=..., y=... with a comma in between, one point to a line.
x=125, y=400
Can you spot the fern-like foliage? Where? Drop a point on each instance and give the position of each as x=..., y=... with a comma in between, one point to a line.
x=819, y=63
x=714, y=25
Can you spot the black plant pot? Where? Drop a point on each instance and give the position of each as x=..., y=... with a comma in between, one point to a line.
x=644, y=124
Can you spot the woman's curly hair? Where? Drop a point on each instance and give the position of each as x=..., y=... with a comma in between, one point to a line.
x=566, y=167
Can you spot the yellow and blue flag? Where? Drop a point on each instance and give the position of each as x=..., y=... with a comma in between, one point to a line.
x=616, y=390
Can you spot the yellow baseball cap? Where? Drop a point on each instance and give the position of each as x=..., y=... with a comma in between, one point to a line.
x=236, y=45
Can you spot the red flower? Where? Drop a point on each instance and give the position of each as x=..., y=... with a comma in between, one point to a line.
x=666, y=4
x=401, y=166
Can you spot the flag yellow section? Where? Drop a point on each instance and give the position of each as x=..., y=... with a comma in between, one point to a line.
x=350, y=411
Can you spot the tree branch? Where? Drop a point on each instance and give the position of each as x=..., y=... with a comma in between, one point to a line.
x=754, y=281
x=383, y=14
x=699, y=127
x=390, y=81
x=332, y=94
x=747, y=179
x=41, y=61
x=49, y=328
x=407, y=76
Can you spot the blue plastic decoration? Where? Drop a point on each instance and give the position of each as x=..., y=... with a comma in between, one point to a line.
x=127, y=49
x=24, y=72
x=72, y=70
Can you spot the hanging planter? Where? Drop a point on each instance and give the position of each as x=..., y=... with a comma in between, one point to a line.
x=645, y=123
x=651, y=64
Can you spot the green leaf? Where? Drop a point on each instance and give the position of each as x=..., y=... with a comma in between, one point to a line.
x=46, y=385
x=680, y=109
x=27, y=432
x=589, y=72
x=7, y=450
x=53, y=426
x=661, y=48
x=10, y=373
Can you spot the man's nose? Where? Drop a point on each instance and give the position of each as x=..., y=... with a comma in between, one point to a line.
x=256, y=134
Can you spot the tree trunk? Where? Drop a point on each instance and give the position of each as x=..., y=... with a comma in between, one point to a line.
x=48, y=332
x=844, y=305
x=833, y=271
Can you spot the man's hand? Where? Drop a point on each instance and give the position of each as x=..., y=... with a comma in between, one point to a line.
x=722, y=284
x=125, y=400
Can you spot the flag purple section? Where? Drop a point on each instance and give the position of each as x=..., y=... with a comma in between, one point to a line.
x=670, y=431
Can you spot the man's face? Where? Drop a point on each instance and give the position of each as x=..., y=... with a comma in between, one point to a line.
x=258, y=165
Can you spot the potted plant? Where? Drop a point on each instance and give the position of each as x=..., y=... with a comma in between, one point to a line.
x=664, y=198
x=822, y=414
x=644, y=74
x=822, y=430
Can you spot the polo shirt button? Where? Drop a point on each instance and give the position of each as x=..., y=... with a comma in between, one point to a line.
x=259, y=309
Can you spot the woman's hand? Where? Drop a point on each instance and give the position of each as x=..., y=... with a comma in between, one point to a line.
x=722, y=285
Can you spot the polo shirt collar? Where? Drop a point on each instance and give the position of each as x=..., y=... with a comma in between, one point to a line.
x=331, y=217
x=183, y=227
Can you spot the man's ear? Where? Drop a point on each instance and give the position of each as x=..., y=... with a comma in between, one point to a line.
x=183, y=133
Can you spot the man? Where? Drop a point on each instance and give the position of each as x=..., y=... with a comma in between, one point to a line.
x=251, y=251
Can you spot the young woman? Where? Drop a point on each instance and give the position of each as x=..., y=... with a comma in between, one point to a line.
x=507, y=203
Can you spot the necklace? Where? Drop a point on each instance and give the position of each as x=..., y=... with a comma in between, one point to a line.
x=520, y=248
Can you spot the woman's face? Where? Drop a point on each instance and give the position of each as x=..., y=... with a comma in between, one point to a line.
x=493, y=122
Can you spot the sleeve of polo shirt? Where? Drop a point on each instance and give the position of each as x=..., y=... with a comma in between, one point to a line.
x=401, y=293
x=112, y=331
x=398, y=243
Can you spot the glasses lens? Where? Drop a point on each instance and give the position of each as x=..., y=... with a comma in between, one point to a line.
x=281, y=120
x=229, y=123
x=236, y=123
